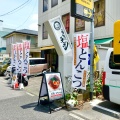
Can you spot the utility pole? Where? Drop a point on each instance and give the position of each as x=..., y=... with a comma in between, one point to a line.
x=92, y=58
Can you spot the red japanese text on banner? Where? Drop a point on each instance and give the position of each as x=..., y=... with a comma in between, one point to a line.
x=19, y=57
x=80, y=61
x=14, y=56
x=26, y=51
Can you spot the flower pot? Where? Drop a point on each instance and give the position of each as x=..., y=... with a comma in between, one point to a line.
x=86, y=95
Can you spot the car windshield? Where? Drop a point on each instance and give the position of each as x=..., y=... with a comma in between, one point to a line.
x=6, y=61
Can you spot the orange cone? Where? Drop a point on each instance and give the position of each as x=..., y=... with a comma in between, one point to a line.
x=15, y=85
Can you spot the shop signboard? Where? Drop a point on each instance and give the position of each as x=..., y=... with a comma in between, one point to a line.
x=82, y=9
x=80, y=61
x=58, y=35
x=52, y=87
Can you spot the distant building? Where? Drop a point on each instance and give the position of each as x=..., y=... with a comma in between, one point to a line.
x=3, y=31
x=23, y=34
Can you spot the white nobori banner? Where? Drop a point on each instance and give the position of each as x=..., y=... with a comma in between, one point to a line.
x=26, y=51
x=19, y=57
x=80, y=60
x=14, y=56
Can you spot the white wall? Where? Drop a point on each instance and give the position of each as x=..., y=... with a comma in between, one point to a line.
x=111, y=15
x=112, y=8
x=102, y=51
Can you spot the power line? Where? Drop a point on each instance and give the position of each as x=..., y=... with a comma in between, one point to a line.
x=18, y=8
x=27, y=17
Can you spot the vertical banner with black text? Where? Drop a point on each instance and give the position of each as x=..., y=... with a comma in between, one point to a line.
x=14, y=56
x=26, y=51
x=80, y=61
x=19, y=57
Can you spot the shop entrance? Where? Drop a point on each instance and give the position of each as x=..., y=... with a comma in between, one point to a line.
x=52, y=58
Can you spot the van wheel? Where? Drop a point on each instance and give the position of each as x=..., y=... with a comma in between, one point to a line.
x=44, y=70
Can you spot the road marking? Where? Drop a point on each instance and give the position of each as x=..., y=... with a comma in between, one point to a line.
x=4, y=81
x=29, y=94
x=75, y=116
x=95, y=104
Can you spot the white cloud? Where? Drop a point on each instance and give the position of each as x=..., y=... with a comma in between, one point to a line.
x=34, y=22
x=33, y=26
x=34, y=17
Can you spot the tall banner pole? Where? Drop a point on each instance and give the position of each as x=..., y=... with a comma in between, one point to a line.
x=91, y=58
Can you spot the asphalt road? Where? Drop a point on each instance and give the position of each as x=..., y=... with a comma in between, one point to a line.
x=19, y=105
x=22, y=104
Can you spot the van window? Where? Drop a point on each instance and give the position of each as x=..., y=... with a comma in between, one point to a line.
x=112, y=64
x=6, y=61
x=37, y=61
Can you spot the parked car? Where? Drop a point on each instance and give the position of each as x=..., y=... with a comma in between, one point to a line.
x=4, y=65
x=111, y=78
x=36, y=65
x=7, y=73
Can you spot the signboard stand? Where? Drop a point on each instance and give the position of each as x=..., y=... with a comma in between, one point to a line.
x=52, y=88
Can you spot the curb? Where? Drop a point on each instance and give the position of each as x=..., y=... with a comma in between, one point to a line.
x=80, y=115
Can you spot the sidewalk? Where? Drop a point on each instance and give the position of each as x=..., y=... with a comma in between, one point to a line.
x=34, y=85
x=93, y=110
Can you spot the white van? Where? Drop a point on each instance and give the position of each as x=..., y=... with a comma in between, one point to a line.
x=111, y=79
x=36, y=65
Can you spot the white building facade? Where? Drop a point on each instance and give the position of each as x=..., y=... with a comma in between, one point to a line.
x=109, y=13
x=106, y=13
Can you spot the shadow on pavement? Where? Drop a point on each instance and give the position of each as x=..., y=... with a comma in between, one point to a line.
x=110, y=106
x=39, y=108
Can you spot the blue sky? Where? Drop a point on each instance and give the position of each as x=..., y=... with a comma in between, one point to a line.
x=26, y=17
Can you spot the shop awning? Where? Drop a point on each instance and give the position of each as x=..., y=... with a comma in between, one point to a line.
x=35, y=50
x=103, y=41
x=47, y=47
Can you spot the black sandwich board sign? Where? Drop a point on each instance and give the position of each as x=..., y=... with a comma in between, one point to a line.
x=52, y=87
x=82, y=9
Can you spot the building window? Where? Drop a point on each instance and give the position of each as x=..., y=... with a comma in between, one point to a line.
x=28, y=37
x=45, y=5
x=79, y=25
x=54, y=3
x=99, y=15
x=66, y=22
x=9, y=40
x=12, y=39
x=45, y=33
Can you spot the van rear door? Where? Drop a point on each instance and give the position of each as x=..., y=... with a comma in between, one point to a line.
x=112, y=77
